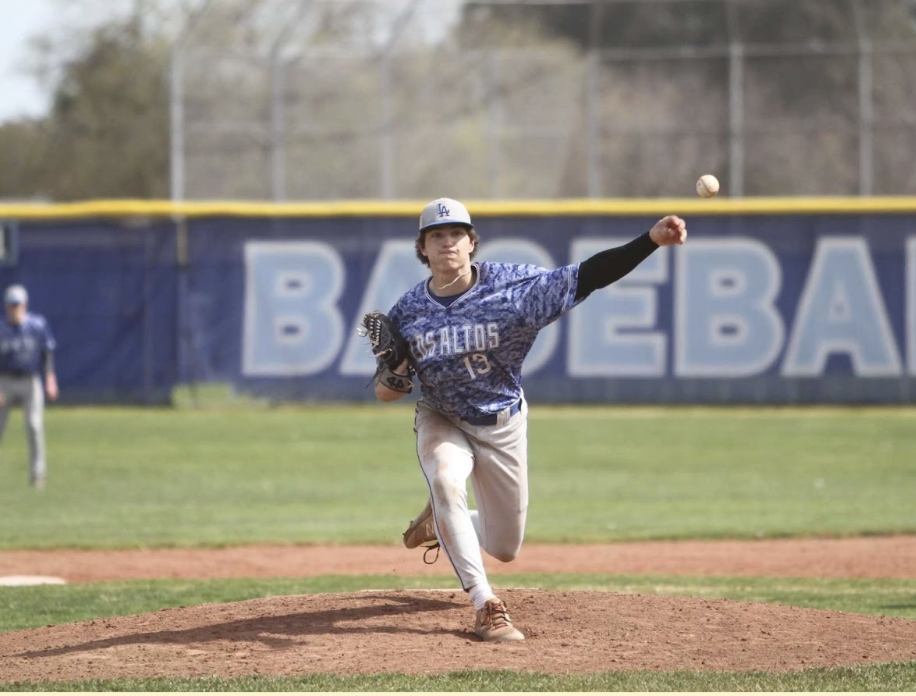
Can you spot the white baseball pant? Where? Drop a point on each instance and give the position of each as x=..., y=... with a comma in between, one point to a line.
x=495, y=458
x=27, y=391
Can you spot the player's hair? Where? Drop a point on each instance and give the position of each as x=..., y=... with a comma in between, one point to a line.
x=472, y=233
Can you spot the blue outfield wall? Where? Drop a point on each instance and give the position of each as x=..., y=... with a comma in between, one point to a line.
x=771, y=301
x=109, y=292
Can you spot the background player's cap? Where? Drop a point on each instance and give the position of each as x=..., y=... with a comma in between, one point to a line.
x=16, y=294
x=444, y=211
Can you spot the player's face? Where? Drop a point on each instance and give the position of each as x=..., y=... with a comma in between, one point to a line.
x=448, y=247
x=15, y=313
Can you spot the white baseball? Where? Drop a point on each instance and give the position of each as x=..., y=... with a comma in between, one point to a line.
x=707, y=186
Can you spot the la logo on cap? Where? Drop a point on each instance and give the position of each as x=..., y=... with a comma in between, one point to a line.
x=443, y=210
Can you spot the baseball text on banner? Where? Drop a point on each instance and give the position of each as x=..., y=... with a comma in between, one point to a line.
x=755, y=308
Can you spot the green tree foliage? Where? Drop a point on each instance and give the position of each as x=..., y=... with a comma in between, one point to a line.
x=107, y=131
x=108, y=128
x=21, y=147
x=347, y=98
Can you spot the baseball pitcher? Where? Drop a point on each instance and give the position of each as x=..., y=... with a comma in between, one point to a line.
x=463, y=335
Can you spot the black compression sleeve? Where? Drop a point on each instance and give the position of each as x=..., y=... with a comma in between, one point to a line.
x=611, y=265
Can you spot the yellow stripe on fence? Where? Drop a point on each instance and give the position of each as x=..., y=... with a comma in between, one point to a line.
x=479, y=208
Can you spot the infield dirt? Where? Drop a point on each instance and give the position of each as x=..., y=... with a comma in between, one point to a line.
x=430, y=631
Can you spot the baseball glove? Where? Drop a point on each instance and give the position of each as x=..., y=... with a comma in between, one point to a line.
x=388, y=346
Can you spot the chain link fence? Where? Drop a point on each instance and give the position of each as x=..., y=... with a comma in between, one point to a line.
x=295, y=100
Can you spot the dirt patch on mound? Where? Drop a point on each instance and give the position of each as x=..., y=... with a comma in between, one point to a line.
x=424, y=632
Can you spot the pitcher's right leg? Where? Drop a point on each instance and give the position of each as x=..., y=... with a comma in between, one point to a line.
x=447, y=462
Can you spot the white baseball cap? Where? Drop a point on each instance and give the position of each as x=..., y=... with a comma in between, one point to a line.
x=444, y=211
x=16, y=294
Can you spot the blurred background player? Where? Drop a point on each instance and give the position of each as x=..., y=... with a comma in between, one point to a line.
x=26, y=355
x=469, y=327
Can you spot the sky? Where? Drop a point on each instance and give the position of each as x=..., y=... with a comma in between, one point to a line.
x=20, y=95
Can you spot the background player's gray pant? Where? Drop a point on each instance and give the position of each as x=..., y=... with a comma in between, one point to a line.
x=496, y=460
x=27, y=391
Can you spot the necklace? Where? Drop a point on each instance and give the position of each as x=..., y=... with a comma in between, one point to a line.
x=457, y=278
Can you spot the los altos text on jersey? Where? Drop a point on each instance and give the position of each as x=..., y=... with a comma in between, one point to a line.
x=455, y=340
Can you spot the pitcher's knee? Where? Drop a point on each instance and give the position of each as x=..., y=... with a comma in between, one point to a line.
x=505, y=554
x=448, y=492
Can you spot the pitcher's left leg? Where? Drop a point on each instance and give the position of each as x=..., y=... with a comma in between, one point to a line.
x=500, y=480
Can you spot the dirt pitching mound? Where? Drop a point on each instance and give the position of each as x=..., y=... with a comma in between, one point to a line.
x=425, y=632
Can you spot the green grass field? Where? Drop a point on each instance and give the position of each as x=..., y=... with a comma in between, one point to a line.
x=145, y=478
x=345, y=474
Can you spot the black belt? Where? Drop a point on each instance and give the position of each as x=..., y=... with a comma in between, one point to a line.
x=14, y=373
x=493, y=418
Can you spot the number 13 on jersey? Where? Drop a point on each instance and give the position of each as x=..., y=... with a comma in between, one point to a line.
x=477, y=364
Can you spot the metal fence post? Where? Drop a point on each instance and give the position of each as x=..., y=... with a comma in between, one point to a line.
x=866, y=119
x=277, y=130
x=386, y=159
x=592, y=103
x=176, y=129
x=866, y=104
x=593, y=136
x=176, y=103
x=494, y=122
x=736, y=119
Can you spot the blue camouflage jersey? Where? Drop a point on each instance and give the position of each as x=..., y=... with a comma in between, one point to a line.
x=468, y=356
x=22, y=346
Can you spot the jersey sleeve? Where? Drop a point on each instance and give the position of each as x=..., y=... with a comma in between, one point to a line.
x=396, y=313
x=544, y=296
x=49, y=343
